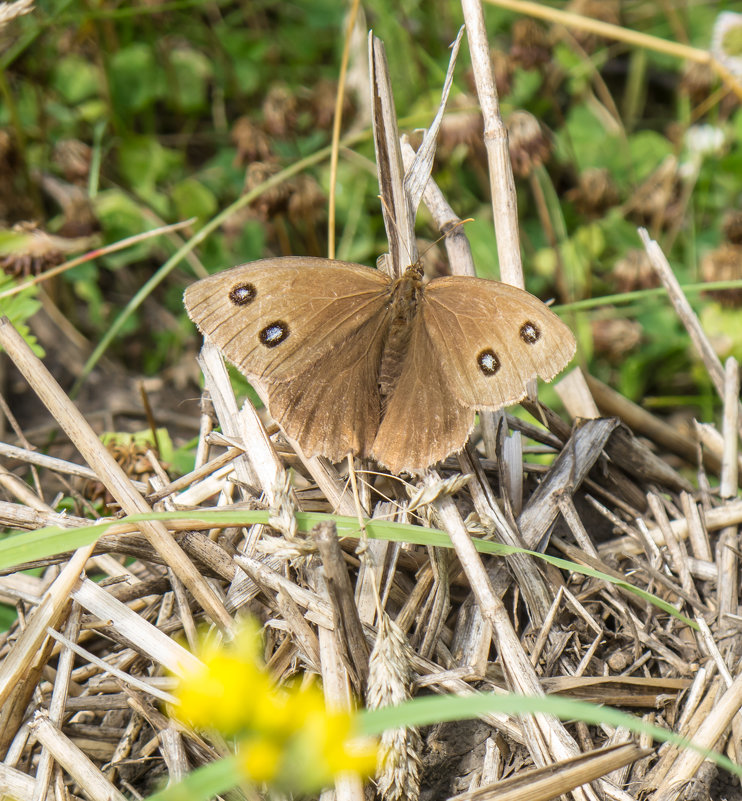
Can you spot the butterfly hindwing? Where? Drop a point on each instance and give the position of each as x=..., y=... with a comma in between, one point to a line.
x=334, y=406
x=275, y=318
x=423, y=421
x=492, y=339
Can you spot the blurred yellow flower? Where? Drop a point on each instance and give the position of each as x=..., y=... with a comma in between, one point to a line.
x=228, y=689
x=260, y=760
x=285, y=736
x=320, y=744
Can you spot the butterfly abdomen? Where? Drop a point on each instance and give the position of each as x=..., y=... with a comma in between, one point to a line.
x=404, y=303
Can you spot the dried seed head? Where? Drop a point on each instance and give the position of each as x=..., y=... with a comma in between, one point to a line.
x=732, y=227
x=252, y=142
x=80, y=219
x=595, y=192
x=530, y=48
x=633, y=272
x=697, y=81
x=273, y=201
x=724, y=264
x=6, y=145
x=280, y=111
x=601, y=10
x=9, y=11
x=482, y=529
x=398, y=774
x=614, y=338
x=321, y=104
x=306, y=201
x=283, y=510
x=73, y=159
x=529, y=145
x=426, y=494
x=656, y=201
x=34, y=252
x=502, y=66
x=130, y=454
x=462, y=128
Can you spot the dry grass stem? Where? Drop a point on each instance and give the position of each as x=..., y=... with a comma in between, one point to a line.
x=495, y=135
x=685, y=312
x=9, y=11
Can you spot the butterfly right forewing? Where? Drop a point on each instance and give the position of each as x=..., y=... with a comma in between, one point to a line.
x=493, y=339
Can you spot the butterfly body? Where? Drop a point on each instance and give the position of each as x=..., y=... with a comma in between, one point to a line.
x=352, y=360
x=404, y=303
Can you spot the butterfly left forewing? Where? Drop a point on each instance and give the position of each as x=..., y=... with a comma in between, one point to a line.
x=273, y=318
x=493, y=339
x=311, y=332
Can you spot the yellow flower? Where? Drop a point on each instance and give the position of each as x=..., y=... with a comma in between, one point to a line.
x=260, y=760
x=285, y=736
x=319, y=744
x=229, y=687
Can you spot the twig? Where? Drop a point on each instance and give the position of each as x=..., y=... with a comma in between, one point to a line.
x=337, y=120
x=634, y=38
x=727, y=559
x=109, y=471
x=684, y=311
x=502, y=183
x=96, y=253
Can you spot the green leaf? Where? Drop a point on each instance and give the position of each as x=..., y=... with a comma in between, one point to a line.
x=76, y=79
x=246, y=58
x=586, y=142
x=203, y=783
x=143, y=439
x=183, y=459
x=8, y=616
x=136, y=79
x=648, y=149
x=193, y=199
x=526, y=84
x=724, y=329
x=90, y=294
x=191, y=71
x=31, y=545
x=121, y=216
x=435, y=709
x=20, y=307
x=144, y=161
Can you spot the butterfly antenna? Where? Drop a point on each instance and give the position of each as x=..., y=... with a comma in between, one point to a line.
x=448, y=229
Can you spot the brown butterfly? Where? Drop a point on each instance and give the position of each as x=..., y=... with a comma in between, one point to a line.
x=353, y=360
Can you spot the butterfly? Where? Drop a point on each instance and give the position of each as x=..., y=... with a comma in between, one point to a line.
x=354, y=361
